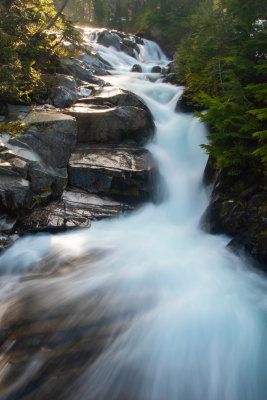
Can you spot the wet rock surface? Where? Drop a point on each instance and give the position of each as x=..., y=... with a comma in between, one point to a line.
x=65, y=92
x=76, y=209
x=127, y=173
x=136, y=68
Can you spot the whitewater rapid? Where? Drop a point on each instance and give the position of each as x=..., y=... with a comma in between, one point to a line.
x=192, y=315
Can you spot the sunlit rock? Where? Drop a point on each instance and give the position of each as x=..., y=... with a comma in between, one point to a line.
x=112, y=124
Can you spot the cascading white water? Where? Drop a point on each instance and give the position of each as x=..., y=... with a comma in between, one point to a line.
x=196, y=314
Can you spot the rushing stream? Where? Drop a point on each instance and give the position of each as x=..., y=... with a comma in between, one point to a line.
x=174, y=314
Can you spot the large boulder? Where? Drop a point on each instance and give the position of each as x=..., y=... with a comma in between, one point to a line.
x=119, y=172
x=104, y=124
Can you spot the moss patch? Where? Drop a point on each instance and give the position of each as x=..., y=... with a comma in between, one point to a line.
x=12, y=128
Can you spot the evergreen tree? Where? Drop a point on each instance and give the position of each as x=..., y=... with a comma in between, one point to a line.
x=223, y=65
x=32, y=34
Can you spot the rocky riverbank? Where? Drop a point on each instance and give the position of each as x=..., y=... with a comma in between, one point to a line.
x=238, y=208
x=81, y=154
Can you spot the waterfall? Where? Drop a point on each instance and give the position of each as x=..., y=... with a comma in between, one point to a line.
x=187, y=319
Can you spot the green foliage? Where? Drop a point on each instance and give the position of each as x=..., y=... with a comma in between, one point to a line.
x=222, y=62
x=31, y=44
x=12, y=128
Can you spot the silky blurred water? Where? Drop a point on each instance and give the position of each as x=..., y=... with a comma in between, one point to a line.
x=196, y=313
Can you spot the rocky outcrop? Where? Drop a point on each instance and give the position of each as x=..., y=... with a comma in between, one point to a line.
x=47, y=183
x=238, y=210
x=36, y=167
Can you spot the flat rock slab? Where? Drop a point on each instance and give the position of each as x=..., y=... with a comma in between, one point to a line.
x=99, y=206
x=130, y=173
x=76, y=209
